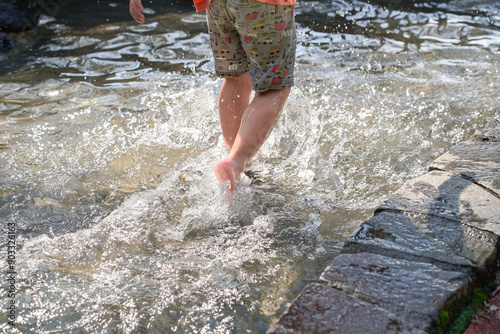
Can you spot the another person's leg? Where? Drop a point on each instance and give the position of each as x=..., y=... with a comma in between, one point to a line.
x=257, y=124
x=234, y=99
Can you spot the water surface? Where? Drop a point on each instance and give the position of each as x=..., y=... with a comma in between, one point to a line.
x=109, y=132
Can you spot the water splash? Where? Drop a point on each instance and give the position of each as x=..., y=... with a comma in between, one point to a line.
x=109, y=178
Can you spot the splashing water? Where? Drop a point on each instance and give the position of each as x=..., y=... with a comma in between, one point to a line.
x=109, y=134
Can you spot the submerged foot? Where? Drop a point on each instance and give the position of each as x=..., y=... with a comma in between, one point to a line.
x=225, y=173
x=229, y=170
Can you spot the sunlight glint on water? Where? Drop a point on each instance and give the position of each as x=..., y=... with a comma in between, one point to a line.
x=109, y=135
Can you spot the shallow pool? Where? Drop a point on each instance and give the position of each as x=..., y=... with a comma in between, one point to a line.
x=109, y=132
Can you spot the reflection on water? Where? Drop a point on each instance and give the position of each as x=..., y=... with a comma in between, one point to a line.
x=109, y=132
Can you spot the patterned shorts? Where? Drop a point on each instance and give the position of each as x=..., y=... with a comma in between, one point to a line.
x=247, y=35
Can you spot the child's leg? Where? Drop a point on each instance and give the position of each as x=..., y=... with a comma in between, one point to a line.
x=234, y=98
x=258, y=121
x=248, y=35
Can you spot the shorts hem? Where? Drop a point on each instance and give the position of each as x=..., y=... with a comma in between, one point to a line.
x=230, y=74
x=260, y=89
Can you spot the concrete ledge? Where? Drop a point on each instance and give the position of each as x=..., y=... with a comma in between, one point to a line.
x=423, y=252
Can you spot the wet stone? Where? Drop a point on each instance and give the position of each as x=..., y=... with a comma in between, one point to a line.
x=450, y=196
x=16, y=16
x=415, y=291
x=424, y=238
x=321, y=309
x=479, y=161
x=6, y=43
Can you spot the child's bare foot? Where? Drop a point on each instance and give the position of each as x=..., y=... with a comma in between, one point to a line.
x=225, y=173
x=228, y=172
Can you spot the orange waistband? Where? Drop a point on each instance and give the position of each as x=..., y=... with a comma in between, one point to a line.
x=203, y=4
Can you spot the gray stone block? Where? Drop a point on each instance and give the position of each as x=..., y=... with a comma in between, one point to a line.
x=478, y=161
x=424, y=238
x=450, y=196
x=321, y=309
x=414, y=291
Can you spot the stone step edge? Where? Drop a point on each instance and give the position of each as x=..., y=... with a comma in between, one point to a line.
x=489, y=134
x=465, y=177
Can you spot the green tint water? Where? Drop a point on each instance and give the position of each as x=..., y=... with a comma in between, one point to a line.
x=109, y=132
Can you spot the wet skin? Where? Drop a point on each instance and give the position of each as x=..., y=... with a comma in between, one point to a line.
x=245, y=126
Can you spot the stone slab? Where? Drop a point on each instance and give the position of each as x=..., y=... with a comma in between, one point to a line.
x=430, y=238
x=447, y=195
x=479, y=161
x=414, y=291
x=320, y=309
